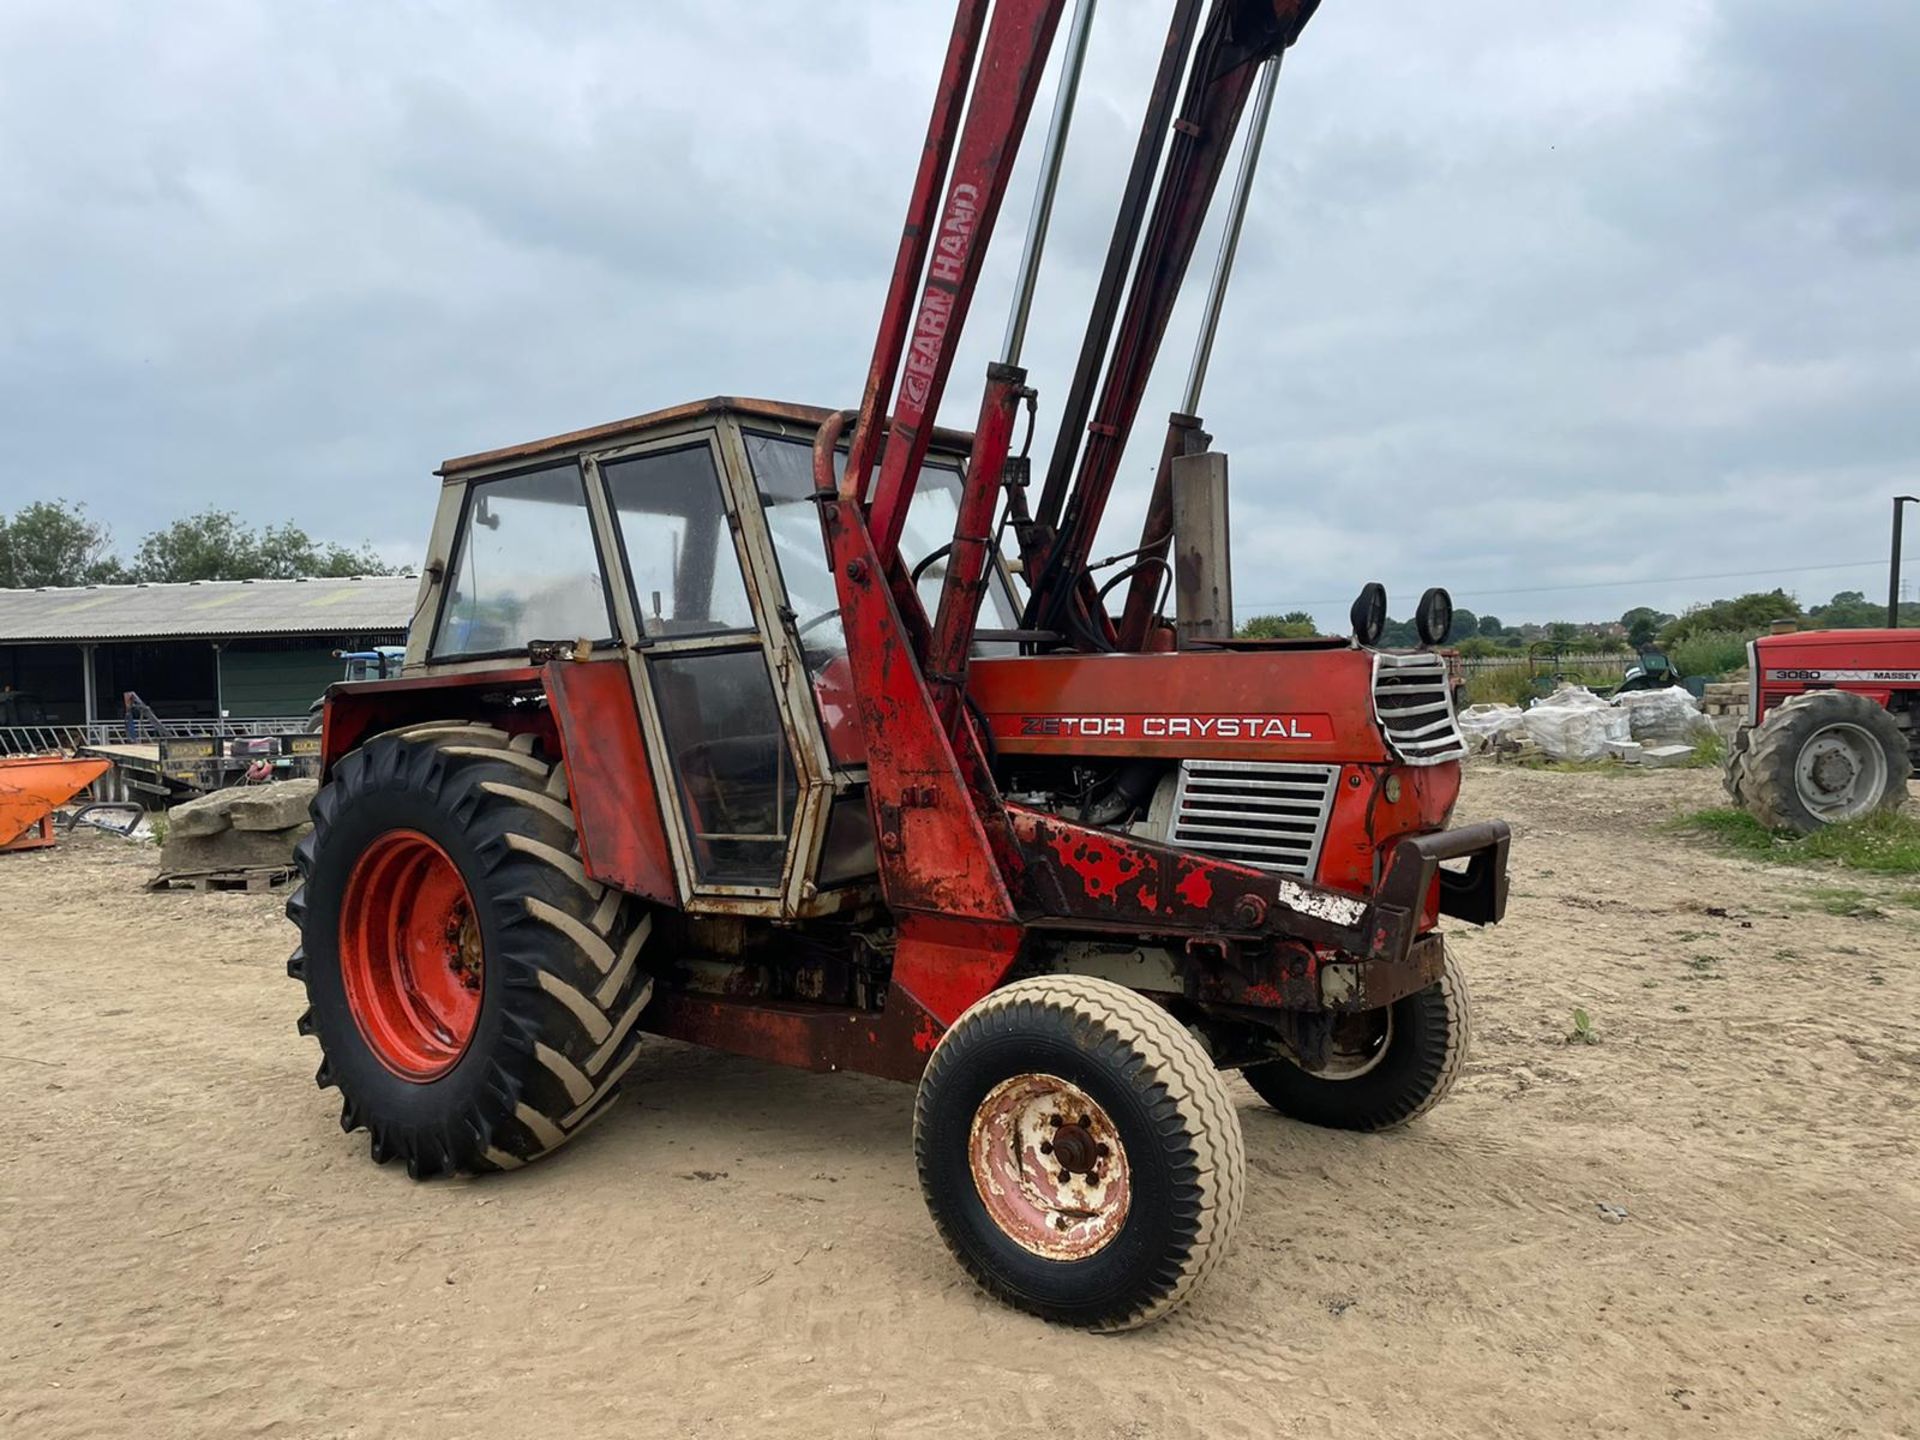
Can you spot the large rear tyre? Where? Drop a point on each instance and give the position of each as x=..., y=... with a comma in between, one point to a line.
x=1385, y=1068
x=1078, y=1152
x=1823, y=758
x=475, y=995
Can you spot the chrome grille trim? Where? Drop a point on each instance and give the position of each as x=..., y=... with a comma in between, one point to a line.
x=1266, y=814
x=1413, y=705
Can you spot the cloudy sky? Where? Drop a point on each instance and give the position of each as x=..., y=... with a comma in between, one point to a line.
x=1567, y=306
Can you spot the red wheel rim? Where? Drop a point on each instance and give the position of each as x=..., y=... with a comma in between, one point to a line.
x=410, y=955
x=1048, y=1164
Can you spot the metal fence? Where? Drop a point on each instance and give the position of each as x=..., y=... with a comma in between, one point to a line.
x=1566, y=663
x=32, y=739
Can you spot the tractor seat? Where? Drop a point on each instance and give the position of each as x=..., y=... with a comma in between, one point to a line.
x=733, y=784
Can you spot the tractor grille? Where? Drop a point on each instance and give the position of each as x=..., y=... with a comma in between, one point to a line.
x=1413, y=702
x=1254, y=812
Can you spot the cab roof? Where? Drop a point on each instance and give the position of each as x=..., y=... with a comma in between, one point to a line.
x=808, y=416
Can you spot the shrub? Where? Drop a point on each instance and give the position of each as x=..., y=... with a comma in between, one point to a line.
x=1711, y=653
x=1500, y=685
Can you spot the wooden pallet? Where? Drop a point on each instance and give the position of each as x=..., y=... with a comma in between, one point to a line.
x=255, y=878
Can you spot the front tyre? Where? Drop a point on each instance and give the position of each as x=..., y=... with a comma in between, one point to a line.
x=474, y=993
x=1078, y=1152
x=1385, y=1067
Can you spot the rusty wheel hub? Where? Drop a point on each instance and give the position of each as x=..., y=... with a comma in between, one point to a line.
x=1049, y=1167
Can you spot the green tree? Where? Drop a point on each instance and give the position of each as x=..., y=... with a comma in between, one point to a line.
x=1465, y=623
x=1400, y=635
x=1563, y=632
x=1294, y=625
x=215, y=545
x=1852, y=610
x=1643, y=624
x=1748, y=614
x=54, y=542
x=1491, y=627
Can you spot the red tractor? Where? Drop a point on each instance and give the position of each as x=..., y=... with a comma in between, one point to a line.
x=1833, y=726
x=730, y=723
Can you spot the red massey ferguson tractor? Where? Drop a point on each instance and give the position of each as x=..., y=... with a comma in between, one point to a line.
x=728, y=723
x=1833, y=726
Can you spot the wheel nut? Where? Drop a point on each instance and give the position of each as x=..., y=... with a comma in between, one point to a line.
x=1066, y=1177
x=1046, y=1147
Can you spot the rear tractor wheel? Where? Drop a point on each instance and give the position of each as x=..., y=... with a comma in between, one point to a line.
x=1822, y=758
x=1739, y=757
x=1078, y=1152
x=1385, y=1067
x=474, y=993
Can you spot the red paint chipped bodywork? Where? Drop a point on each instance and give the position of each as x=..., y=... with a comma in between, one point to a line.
x=926, y=1037
x=1195, y=890
x=1102, y=869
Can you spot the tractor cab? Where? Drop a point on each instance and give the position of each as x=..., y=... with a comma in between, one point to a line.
x=689, y=543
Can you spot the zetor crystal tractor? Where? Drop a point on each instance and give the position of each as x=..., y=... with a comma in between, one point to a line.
x=804, y=735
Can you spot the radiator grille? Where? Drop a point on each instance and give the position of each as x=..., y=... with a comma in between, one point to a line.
x=1413, y=701
x=1253, y=812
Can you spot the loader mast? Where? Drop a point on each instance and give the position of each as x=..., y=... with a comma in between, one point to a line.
x=987, y=90
x=932, y=791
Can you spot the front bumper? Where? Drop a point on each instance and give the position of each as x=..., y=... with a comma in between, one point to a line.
x=1262, y=939
x=1386, y=955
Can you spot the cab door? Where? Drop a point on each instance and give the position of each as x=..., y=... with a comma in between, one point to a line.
x=720, y=727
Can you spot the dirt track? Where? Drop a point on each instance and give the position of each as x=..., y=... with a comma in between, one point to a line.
x=189, y=1245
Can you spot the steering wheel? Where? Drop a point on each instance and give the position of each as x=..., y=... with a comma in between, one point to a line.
x=817, y=621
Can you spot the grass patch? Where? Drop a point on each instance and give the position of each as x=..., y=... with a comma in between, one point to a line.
x=1710, y=750
x=1858, y=904
x=1848, y=904
x=1883, y=844
x=1571, y=767
x=1500, y=685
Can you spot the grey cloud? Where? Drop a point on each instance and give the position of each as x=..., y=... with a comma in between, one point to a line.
x=1531, y=295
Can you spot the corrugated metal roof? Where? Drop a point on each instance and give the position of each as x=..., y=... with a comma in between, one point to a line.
x=367, y=605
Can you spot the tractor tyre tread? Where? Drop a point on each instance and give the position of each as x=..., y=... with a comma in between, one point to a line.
x=559, y=951
x=1739, y=760
x=1768, y=789
x=1193, y=1121
x=1433, y=1030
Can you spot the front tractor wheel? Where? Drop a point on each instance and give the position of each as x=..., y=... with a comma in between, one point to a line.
x=1822, y=758
x=1383, y=1068
x=474, y=993
x=1078, y=1152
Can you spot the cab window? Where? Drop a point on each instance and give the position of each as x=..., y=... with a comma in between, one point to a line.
x=783, y=473
x=679, y=546
x=524, y=567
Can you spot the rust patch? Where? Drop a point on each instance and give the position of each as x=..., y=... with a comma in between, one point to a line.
x=1048, y=1165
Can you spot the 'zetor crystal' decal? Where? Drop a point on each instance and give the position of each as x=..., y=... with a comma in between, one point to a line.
x=1869, y=677
x=1248, y=728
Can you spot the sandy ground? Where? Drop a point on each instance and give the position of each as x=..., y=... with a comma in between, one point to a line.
x=189, y=1245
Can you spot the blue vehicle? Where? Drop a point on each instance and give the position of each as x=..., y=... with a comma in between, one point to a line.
x=379, y=663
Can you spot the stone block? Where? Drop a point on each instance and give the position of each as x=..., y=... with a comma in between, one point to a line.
x=1660, y=755
x=280, y=805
